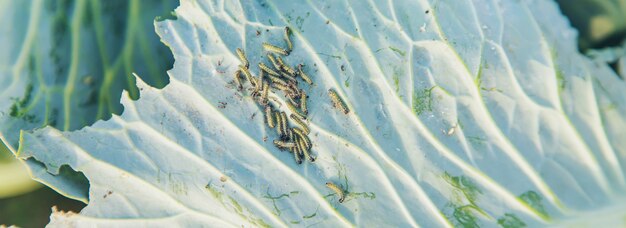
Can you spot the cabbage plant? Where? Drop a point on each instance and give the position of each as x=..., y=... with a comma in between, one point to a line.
x=462, y=113
x=65, y=63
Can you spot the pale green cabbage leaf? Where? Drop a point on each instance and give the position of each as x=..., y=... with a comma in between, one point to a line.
x=65, y=63
x=464, y=113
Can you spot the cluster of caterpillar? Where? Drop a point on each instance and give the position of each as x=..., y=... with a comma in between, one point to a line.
x=280, y=77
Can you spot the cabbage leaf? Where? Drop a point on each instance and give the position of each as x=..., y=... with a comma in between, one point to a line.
x=463, y=113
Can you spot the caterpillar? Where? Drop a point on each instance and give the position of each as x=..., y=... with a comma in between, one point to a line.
x=288, y=38
x=303, y=136
x=285, y=67
x=304, y=76
x=255, y=91
x=278, y=80
x=290, y=98
x=265, y=93
x=291, y=136
x=246, y=72
x=238, y=80
x=294, y=110
x=293, y=89
x=282, y=87
x=337, y=190
x=303, y=98
x=283, y=144
x=275, y=49
x=279, y=124
x=268, y=69
x=307, y=141
x=268, y=116
x=242, y=57
x=287, y=76
x=283, y=119
x=300, y=145
x=297, y=155
x=299, y=132
x=289, y=70
x=273, y=61
x=300, y=123
x=259, y=82
x=305, y=150
x=337, y=101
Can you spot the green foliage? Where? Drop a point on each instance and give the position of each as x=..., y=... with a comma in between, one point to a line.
x=510, y=221
x=463, y=201
x=423, y=100
x=79, y=56
x=600, y=23
x=69, y=61
x=533, y=200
